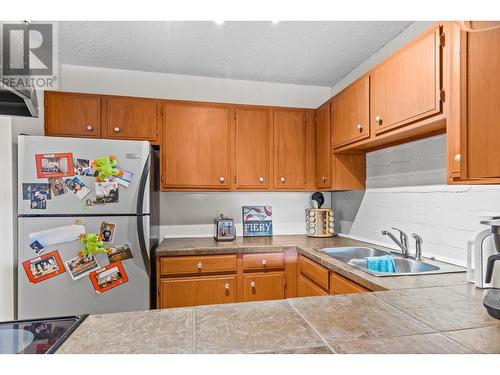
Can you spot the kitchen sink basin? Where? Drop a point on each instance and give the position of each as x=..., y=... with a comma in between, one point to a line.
x=355, y=256
x=345, y=254
x=404, y=266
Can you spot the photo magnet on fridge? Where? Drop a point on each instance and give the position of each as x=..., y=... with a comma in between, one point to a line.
x=125, y=178
x=108, y=277
x=77, y=187
x=119, y=253
x=57, y=186
x=54, y=165
x=29, y=188
x=43, y=267
x=106, y=192
x=37, y=247
x=79, y=267
x=38, y=200
x=107, y=231
x=83, y=167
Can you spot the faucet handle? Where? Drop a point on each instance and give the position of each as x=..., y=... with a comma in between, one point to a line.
x=418, y=239
x=418, y=246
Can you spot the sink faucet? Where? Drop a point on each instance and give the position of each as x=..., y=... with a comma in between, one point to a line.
x=418, y=246
x=402, y=243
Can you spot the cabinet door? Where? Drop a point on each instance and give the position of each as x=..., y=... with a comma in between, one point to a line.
x=253, y=148
x=405, y=88
x=263, y=286
x=351, y=114
x=307, y=288
x=482, y=103
x=290, y=149
x=197, y=291
x=323, y=147
x=72, y=115
x=196, y=146
x=342, y=285
x=130, y=118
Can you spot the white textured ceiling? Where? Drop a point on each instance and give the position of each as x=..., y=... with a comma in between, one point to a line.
x=308, y=53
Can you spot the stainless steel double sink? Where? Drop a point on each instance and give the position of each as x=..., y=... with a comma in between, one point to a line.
x=356, y=257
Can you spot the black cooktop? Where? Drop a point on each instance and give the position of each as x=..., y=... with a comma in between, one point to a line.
x=37, y=336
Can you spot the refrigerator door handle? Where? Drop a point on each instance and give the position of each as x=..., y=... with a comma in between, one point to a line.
x=140, y=221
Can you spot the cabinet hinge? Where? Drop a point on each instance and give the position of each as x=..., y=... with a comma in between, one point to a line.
x=442, y=40
x=442, y=95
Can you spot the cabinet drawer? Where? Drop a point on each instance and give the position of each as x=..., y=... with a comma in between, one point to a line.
x=263, y=286
x=263, y=261
x=342, y=285
x=314, y=271
x=197, y=264
x=197, y=291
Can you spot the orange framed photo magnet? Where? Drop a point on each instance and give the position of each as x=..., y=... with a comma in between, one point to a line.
x=43, y=267
x=54, y=165
x=108, y=277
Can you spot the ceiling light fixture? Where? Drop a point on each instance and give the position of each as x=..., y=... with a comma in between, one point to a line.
x=275, y=22
x=219, y=22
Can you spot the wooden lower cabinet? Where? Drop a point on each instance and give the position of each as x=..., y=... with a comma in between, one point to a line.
x=230, y=278
x=308, y=288
x=342, y=285
x=263, y=286
x=193, y=291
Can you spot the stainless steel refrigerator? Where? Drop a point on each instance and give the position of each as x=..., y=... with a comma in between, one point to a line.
x=133, y=210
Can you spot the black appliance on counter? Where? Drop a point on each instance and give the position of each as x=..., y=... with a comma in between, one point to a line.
x=37, y=336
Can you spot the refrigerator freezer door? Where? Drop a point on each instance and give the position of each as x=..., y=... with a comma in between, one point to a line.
x=130, y=155
x=60, y=295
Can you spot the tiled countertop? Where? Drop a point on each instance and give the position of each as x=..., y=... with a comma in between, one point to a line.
x=415, y=314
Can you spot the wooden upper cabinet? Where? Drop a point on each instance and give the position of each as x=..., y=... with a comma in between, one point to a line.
x=351, y=113
x=406, y=87
x=196, y=145
x=132, y=118
x=253, y=148
x=323, y=147
x=481, y=128
x=72, y=115
x=290, y=141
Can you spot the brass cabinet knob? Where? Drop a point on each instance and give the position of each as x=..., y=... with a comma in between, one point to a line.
x=89, y=128
x=221, y=179
x=252, y=284
x=200, y=265
x=323, y=178
x=457, y=157
x=282, y=179
x=359, y=127
x=116, y=129
x=226, y=286
x=261, y=179
x=264, y=262
x=378, y=120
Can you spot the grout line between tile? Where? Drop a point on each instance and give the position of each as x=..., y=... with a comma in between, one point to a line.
x=408, y=315
x=459, y=343
x=311, y=327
